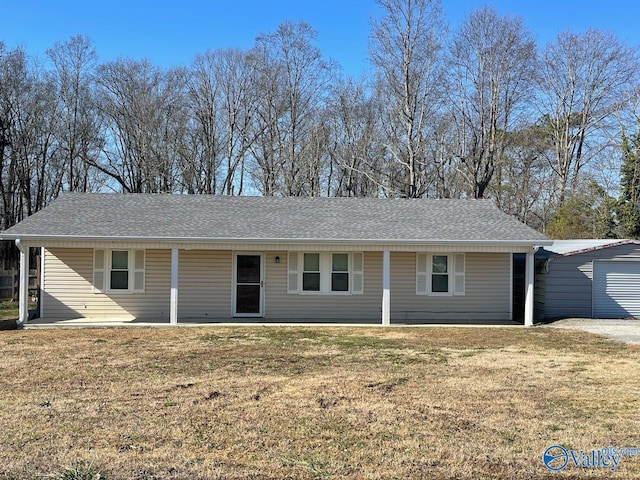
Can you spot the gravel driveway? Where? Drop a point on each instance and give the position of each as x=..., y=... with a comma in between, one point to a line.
x=623, y=330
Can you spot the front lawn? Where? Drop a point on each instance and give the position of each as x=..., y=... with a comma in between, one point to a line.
x=306, y=403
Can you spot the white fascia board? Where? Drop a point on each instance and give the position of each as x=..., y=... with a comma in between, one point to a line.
x=381, y=242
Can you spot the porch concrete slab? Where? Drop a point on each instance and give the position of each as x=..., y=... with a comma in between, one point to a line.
x=235, y=322
x=627, y=331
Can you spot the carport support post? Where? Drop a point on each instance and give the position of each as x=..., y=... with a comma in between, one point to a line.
x=23, y=293
x=386, y=288
x=529, y=298
x=173, y=308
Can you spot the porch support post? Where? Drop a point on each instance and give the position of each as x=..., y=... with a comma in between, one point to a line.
x=386, y=288
x=23, y=293
x=41, y=286
x=173, y=308
x=529, y=299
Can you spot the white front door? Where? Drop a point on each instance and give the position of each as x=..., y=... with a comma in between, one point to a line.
x=248, y=292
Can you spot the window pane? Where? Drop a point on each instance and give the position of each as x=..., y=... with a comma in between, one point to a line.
x=119, y=280
x=440, y=283
x=248, y=269
x=340, y=262
x=340, y=282
x=311, y=282
x=440, y=264
x=311, y=262
x=247, y=298
x=120, y=260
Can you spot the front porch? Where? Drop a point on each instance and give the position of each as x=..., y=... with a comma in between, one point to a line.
x=389, y=290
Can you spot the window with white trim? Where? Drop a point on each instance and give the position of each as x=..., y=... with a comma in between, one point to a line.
x=311, y=272
x=440, y=277
x=118, y=271
x=325, y=272
x=339, y=272
x=440, y=274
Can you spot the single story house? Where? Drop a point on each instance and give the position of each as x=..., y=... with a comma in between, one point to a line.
x=589, y=278
x=161, y=257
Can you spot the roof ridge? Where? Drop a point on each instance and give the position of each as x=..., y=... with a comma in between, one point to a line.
x=274, y=197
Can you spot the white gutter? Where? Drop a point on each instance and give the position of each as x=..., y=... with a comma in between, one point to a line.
x=380, y=241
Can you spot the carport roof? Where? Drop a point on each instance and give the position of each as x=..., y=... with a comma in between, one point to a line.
x=576, y=246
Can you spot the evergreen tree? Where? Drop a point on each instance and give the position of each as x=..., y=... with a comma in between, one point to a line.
x=628, y=207
x=590, y=214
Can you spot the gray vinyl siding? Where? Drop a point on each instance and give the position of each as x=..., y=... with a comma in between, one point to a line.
x=487, y=291
x=616, y=289
x=568, y=283
x=68, y=291
x=204, y=284
x=334, y=307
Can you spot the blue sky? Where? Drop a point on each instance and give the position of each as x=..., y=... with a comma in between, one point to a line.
x=171, y=33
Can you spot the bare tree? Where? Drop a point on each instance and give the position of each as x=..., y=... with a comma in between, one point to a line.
x=492, y=63
x=405, y=51
x=583, y=81
x=315, y=173
x=220, y=104
x=38, y=168
x=447, y=180
x=526, y=189
x=234, y=76
x=8, y=179
x=28, y=111
x=144, y=117
x=291, y=80
x=202, y=166
x=357, y=154
x=77, y=131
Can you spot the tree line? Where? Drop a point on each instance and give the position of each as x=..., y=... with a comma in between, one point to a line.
x=549, y=132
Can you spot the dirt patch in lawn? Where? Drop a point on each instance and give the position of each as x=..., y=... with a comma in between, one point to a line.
x=271, y=402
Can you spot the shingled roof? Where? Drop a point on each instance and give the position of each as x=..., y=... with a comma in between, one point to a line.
x=159, y=217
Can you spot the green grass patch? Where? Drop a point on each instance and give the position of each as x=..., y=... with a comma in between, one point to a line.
x=9, y=310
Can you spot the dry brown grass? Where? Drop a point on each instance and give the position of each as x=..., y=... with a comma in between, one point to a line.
x=276, y=403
